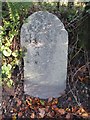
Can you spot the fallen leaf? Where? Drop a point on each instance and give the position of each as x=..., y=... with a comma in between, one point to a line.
x=80, y=111
x=32, y=115
x=54, y=107
x=85, y=115
x=51, y=114
x=55, y=101
x=74, y=109
x=68, y=110
x=68, y=116
x=28, y=102
x=61, y=111
x=42, y=112
x=19, y=102
x=13, y=117
x=19, y=114
x=14, y=110
x=47, y=108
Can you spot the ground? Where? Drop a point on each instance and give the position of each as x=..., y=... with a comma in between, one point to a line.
x=72, y=105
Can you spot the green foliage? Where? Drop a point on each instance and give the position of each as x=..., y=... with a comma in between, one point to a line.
x=9, y=31
x=6, y=70
x=42, y=102
x=11, y=14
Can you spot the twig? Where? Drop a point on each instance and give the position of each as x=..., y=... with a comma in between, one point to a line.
x=79, y=104
x=76, y=54
x=80, y=18
x=80, y=69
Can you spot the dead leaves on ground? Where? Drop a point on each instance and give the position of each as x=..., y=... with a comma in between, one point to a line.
x=82, y=112
x=36, y=108
x=49, y=109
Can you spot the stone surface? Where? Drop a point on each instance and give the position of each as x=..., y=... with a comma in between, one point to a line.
x=45, y=41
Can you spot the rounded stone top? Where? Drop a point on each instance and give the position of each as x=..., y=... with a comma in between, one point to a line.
x=38, y=23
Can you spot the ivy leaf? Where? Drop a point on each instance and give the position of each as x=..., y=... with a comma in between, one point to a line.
x=42, y=102
x=11, y=36
x=41, y=112
x=7, y=51
x=8, y=43
x=9, y=83
x=9, y=75
x=15, y=53
x=6, y=68
x=2, y=47
x=9, y=66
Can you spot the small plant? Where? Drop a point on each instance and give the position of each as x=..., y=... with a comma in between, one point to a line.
x=13, y=16
x=10, y=58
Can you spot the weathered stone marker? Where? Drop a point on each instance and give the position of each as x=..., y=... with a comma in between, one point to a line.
x=45, y=62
